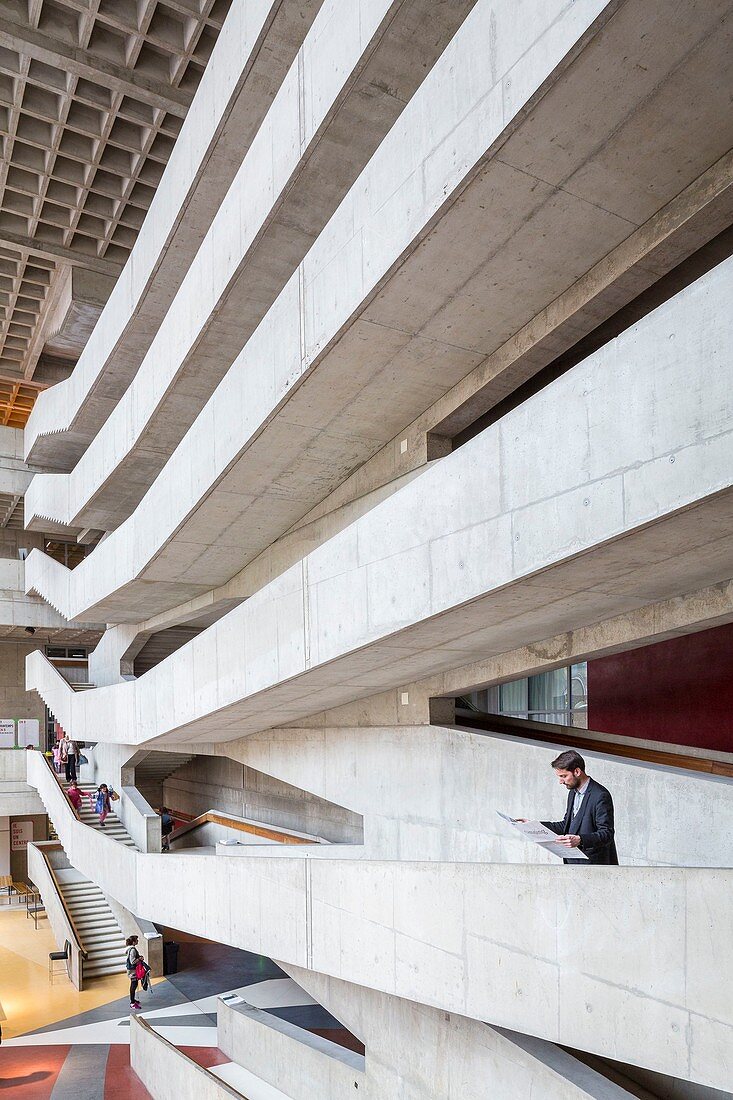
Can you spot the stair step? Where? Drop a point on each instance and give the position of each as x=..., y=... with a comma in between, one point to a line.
x=113, y=950
x=101, y=971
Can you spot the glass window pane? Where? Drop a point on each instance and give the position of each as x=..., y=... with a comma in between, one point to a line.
x=549, y=696
x=513, y=699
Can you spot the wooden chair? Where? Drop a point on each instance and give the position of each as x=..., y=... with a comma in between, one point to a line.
x=6, y=883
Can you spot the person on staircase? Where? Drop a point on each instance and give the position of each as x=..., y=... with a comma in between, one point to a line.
x=69, y=753
x=101, y=801
x=74, y=795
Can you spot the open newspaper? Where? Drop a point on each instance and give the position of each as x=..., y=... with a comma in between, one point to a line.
x=540, y=834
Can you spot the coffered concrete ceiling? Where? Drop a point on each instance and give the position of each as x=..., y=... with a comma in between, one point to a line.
x=93, y=94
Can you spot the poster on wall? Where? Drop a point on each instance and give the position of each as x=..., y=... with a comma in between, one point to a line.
x=29, y=732
x=20, y=833
x=7, y=733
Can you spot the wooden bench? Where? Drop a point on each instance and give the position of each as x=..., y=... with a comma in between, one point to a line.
x=18, y=888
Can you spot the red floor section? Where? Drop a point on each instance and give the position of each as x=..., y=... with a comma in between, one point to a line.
x=121, y=1082
x=341, y=1037
x=205, y=1056
x=29, y=1073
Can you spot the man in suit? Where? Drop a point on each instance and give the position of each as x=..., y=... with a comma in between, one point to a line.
x=588, y=821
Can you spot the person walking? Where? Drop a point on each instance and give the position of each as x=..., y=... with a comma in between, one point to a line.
x=56, y=751
x=101, y=801
x=166, y=827
x=74, y=795
x=69, y=752
x=132, y=958
x=588, y=822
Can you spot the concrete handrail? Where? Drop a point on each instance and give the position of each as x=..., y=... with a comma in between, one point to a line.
x=57, y=781
x=95, y=854
x=167, y=1072
x=288, y=1057
x=140, y=820
x=128, y=922
x=62, y=924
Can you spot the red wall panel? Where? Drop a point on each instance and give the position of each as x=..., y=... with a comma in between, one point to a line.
x=680, y=691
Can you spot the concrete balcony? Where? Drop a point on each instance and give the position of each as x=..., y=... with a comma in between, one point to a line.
x=520, y=947
x=607, y=490
x=340, y=364
x=357, y=68
x=250, y=59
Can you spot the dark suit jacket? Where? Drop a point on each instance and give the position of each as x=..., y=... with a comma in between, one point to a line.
x=594, y=825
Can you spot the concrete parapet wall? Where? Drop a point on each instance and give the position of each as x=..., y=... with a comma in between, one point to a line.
x=167, y=1073
x=430, y=792
x=535, y=949
x=40, y=874
x=225, y=784
x=429, y=1055
x=301, y=1064
x=290, y=181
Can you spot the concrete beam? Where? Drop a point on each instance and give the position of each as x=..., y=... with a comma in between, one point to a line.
x=48, y=250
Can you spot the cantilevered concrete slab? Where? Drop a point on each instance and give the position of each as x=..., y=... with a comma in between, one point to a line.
x=275, y=438
x=601, y=493
x=257, y=44
x=356, y=70
x=362, y=376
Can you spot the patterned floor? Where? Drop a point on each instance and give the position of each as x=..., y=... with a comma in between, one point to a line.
x=86, y=1056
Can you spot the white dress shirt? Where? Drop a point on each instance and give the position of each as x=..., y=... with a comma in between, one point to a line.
x=579, y=795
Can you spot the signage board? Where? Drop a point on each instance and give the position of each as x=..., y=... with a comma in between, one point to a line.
x=20, y=833
x=7, y=733
x=29, y=732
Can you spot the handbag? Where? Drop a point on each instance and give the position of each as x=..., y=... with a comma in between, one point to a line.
x=114, y=796
x=140, y=970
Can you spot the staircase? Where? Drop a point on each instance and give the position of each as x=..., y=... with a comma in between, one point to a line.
x=99, y=933
x=158, y=766
x=152, y=768
x=113, y=827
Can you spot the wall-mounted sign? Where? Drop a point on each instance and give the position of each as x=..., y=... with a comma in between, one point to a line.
x=7, y=733
x=29, y=732
x=20, y=833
